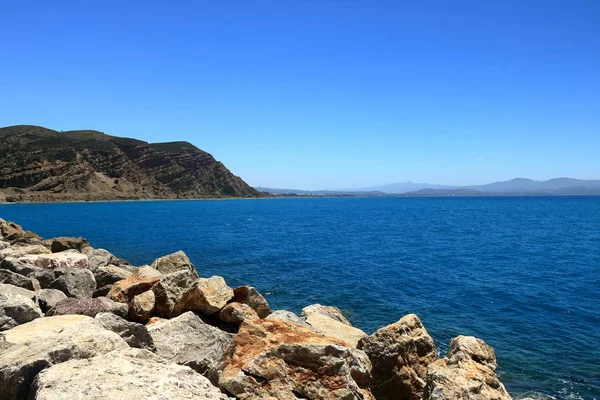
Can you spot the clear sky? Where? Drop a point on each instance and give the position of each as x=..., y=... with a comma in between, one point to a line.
x=320, y=94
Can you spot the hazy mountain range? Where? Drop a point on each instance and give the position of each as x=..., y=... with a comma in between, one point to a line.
x=517, y=186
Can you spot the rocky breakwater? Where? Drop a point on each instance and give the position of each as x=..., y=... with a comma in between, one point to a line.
x=78, y=322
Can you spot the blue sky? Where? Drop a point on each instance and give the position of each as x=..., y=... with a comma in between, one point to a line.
x=321, y=94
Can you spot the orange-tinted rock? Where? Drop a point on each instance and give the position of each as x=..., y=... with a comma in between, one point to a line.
x=140, y=281
x=328, y=311
x=272, y=359
x=207, y=296
x=248, y=295
x=142, y=306
x=236, y=313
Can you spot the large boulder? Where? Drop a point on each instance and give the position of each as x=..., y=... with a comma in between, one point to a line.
x=42, y=275
x=288, y=316
x=89, y=307
x=13, y=233
x=187, y=340
x=399, y=353
x=49, y=298
x=136, y=335
x=169, y=290
x=34, y=346
x=331, y=327
x=109, y=274
x=122, y=374
x=74, y=282
x=21, y=251
x=328, y=311
x=248, y=295
x=102, y=258
x=12, y=278
x=16, y=309
x=272, y=359
x=11, y=289
x=205, y=295
x=236, y=313
x=140, y=281
x=467, y=372
x=68, y=243
x=142, y=306
x=177, y=261
x=64, y=259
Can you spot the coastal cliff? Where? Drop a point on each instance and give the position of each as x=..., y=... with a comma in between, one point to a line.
x=39, y=164
x=78, y=322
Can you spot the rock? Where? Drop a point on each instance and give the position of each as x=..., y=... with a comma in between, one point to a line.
x=187, y=340
x=288, y=316
x=49, y=298
x=12, y=278
x=4, y=245
x=109, y=274
x=21, y=251
x=271, y=359
x=102, y=258
x=43, y=276
x=10, y=289
x=122, y=374
x=102, y=291
x=13, y=233
x=89, y=307
x=16, y=309
x=46, y=341
x=248, y=295
x=467, y=372
x=169, y=290
x=236, y=313
x=64, y=259
x=68, y=243
x=333, y=328
x=140, y=281
x=74, y=282
x=328, y=311
x=142, y=306
x=207, y=296
x=136, y=335
x=399, y=353
x=174, y=262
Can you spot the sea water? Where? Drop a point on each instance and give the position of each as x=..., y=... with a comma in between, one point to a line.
x=522, y=273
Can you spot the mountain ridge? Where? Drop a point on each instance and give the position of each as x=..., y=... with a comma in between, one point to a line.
x=41, y=164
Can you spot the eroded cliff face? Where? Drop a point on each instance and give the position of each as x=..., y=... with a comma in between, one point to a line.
x=39, y=164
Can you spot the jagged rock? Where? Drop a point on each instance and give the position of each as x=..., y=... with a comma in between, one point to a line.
x=140, y=281
x=169, y=290
x=399, y=353
x=4, y=245
x=21, y=251
x=43, y=276
x=236, y=313
x=10, y=289
x=177, y=261
x=122, y=374
x=102, y=258
x=16, y=309
x=12, y=278
x=288, y=316
x=331, y=327
x=13, y=233
x=207, y=296
x=248, y=295
x=142, y=306
x=109, y=274
x=74, y=282
x=67, y=243
x=64, y=259
x=136, y=335
x=328, y=311
x=187, y=340
x=49, y=298
x=467, y=372
x=270, y=358
x=89, y=307
x=47, y=341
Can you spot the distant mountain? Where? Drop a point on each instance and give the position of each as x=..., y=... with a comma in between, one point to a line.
x=301, y=192
x=39, y=164
x=404, y=187
x=552, y=186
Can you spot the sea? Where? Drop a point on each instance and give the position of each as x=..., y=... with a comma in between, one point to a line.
x=522, y=273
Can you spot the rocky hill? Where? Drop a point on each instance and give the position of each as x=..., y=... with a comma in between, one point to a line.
x=39, y=164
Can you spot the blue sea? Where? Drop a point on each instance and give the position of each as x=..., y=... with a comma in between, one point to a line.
x=522, y=273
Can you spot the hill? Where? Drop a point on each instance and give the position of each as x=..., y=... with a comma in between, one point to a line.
x=552, y=186
x=39, y=164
